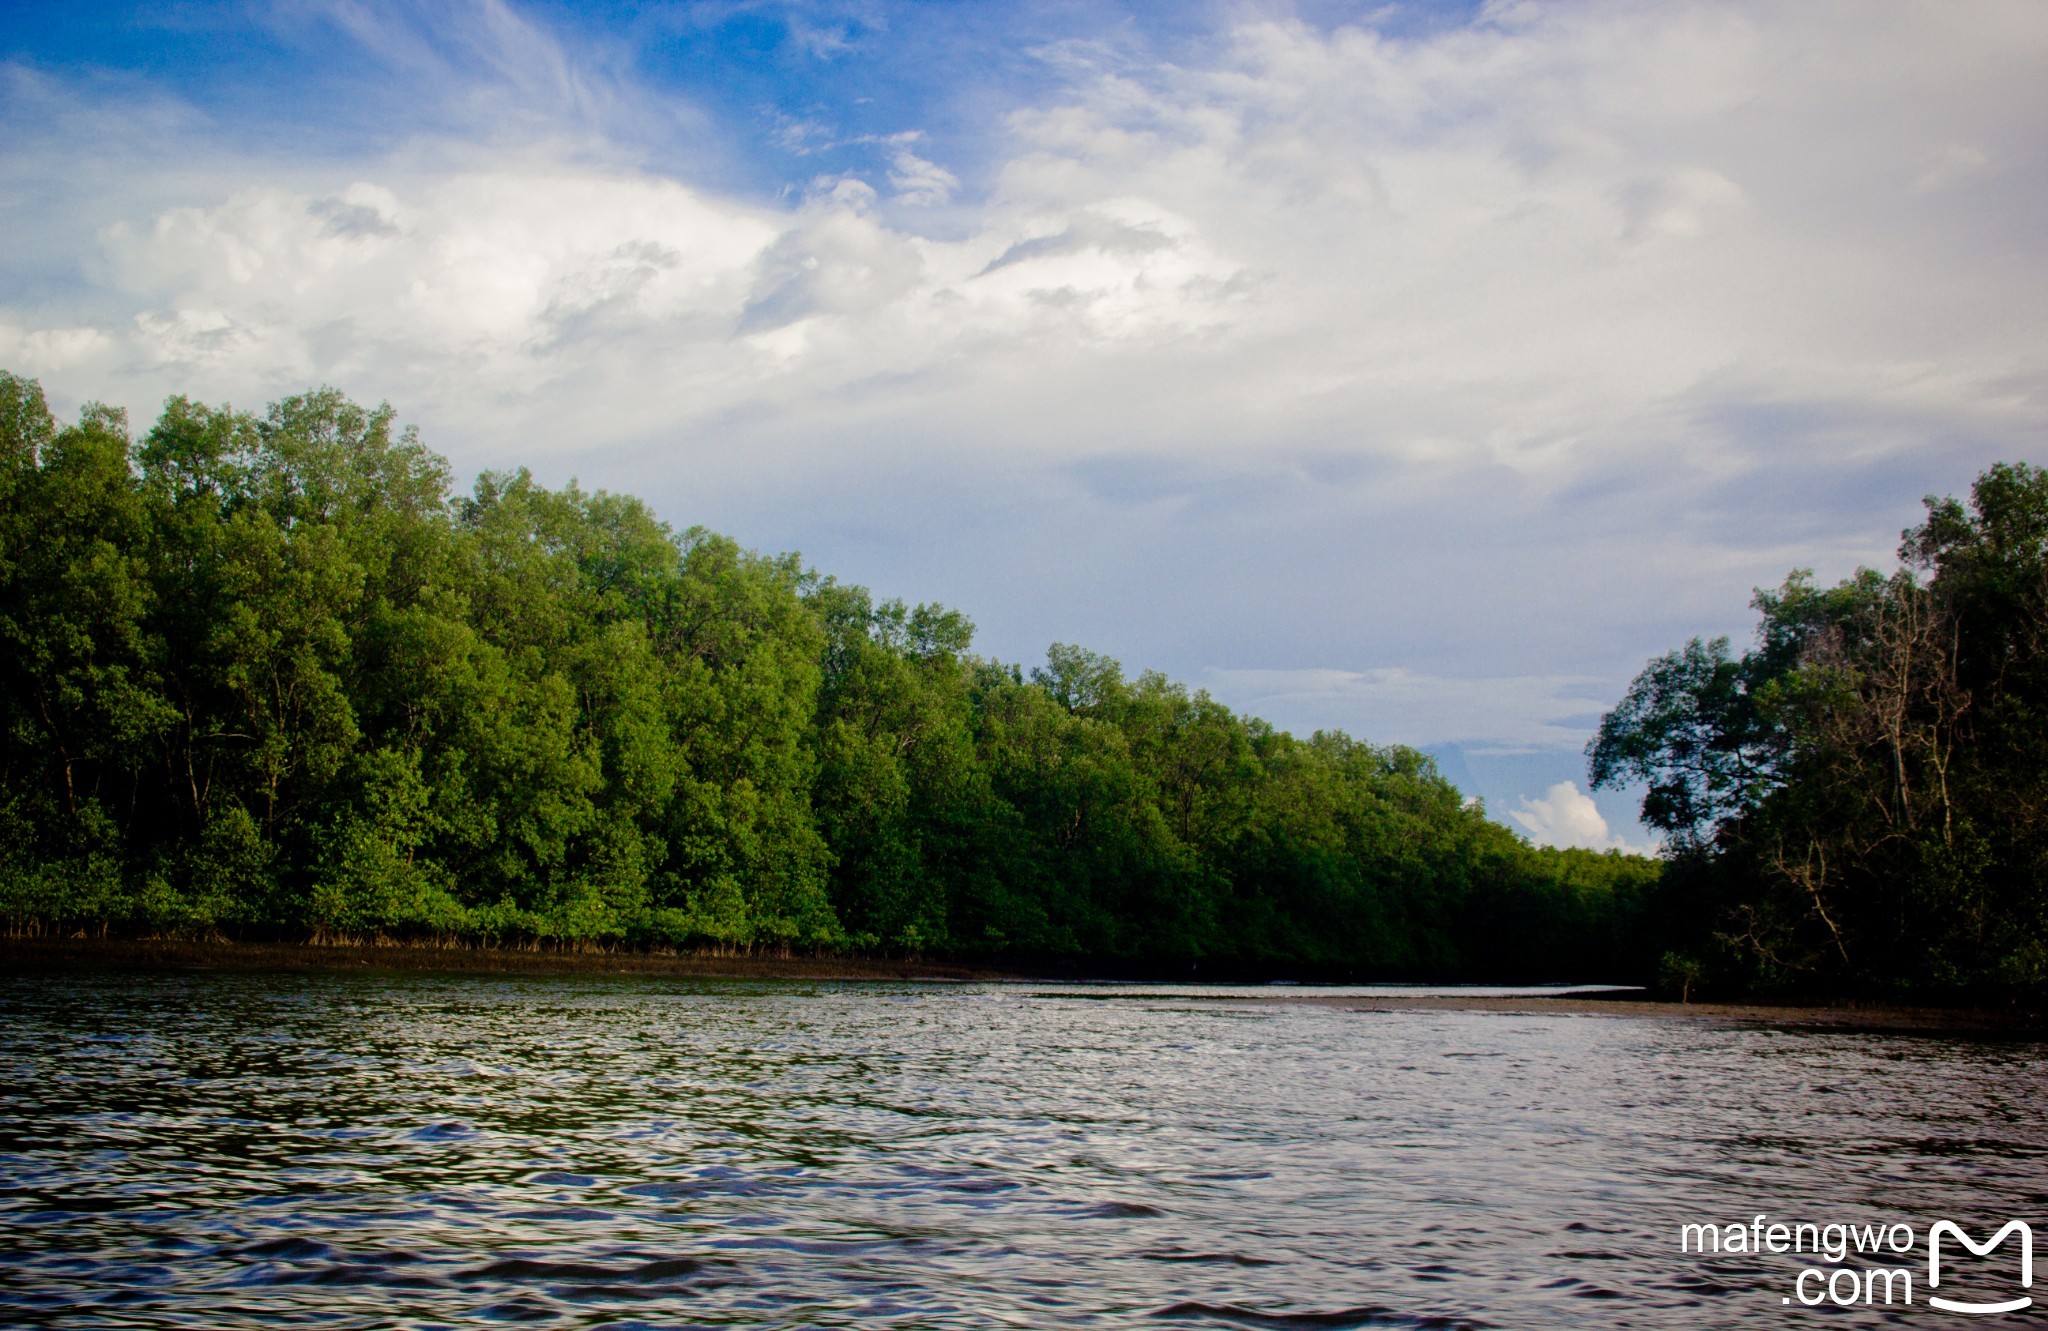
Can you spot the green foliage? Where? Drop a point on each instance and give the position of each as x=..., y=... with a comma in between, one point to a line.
x=265, y=674
x=1859, y=800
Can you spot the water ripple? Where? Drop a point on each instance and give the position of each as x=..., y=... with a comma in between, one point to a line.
x=204, y=1151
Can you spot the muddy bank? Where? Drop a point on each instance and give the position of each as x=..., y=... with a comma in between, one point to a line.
x=66, y=954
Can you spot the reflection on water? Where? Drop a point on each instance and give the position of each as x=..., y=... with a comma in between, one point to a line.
x=210, y=1150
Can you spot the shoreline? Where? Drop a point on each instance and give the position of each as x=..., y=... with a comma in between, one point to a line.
x=86, y=954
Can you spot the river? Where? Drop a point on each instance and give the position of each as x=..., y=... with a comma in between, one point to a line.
x=216, y=1149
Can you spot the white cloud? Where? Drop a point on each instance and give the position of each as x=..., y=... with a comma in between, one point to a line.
x=449, y=293
x=543, y=289
x=1564, y=817
x=48, y=351
x=919, y=183
x=1539, y=241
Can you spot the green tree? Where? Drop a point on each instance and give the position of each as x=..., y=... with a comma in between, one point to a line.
x=1859, y=795
x=265, y=674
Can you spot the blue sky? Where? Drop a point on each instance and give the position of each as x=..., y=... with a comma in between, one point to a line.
x=1416, y=369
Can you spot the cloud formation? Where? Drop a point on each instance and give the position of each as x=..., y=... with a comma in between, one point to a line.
x=1566, y=818
x=1530, y=241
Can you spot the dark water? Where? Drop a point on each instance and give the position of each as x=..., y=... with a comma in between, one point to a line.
x=223, y=1150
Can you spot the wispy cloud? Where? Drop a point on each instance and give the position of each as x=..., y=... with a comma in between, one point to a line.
x=1397, y=705
x=478, y=67
x=920, y=183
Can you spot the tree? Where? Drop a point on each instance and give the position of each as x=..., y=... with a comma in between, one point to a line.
x=1862, y=792
x=266, y=674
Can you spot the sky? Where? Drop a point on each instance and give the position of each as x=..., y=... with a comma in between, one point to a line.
x=1415, y=369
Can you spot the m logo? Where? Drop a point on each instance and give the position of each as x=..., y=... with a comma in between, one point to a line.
x=2019, y=1227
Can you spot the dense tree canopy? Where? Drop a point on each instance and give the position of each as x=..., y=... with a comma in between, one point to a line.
x=1861, y=799
x=264, y=674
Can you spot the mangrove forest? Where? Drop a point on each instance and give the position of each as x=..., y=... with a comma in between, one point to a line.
x=272, y=676
x=269, y=676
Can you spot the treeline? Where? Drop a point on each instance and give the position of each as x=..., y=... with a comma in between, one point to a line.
x=265, y=676
x=1860, y=801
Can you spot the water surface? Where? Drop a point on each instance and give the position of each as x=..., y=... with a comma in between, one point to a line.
x=208, y=1150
